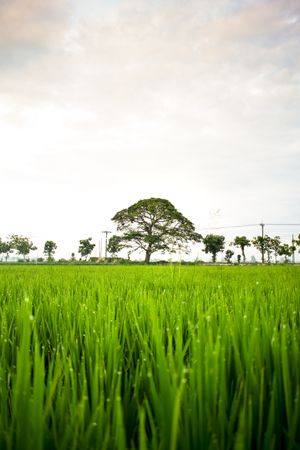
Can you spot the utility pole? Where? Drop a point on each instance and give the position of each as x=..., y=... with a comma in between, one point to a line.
x=262, y=243
x=106, y=232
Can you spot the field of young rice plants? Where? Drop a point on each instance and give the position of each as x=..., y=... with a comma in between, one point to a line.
x=149, y=357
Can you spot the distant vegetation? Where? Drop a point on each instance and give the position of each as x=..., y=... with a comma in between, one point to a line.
x=155, y=226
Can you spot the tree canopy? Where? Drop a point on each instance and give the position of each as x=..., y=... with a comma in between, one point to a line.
x=228, y=255
x=214, y=244
x=241, y=242
x=286, y=251
x=22, y=244
x=264, y=245
x=5, y=248
x=49, y=249
x=86, y=247
x=152, y=225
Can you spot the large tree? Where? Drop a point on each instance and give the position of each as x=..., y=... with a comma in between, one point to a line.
x=214, y=243
x=22, y=244
x=241, y=242
x=152, y=225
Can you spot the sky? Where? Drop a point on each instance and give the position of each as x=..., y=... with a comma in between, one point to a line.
x=106, y=102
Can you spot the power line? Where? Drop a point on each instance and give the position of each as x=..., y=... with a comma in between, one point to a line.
x=252, y=225
x=231, y=226
x=284, y=224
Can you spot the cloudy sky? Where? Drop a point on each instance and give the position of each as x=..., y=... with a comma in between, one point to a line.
x=105, y=102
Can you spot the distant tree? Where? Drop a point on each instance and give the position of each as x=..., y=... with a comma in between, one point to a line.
x=22, y=244
x=239, y=257
x=228, y=255
x=274, y=244
x=49, y=249
x=73, y=257
x=115, y=245
x=241, y=242
x=86, y=247
x=297, y=242
x=214, y=244
x=153, y=225
x=5, y=249
x=269, y=248
x=286, y=251
x=264, y=246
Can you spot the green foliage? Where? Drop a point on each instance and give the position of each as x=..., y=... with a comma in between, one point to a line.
x=5, y=248
x=267, y=245
x=152, y=225
x=115, y=245
x=228, y=255
x=242, y=242
x=264, y=245
x=274, y=244
x=286, y=250
x=149, y=358
x=86, y=247
x=49, y=249
x=214, y=244
x=297, y=242
x=22, y=244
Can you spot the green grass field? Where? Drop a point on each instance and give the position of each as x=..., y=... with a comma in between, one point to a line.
x=149, y=358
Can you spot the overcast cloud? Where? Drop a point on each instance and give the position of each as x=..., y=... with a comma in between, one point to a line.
x=103, y=103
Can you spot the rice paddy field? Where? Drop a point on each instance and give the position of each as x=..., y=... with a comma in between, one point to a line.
x=149, y=357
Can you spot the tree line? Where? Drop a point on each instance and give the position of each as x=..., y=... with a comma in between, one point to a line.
x=22, y=245
x=155, y=225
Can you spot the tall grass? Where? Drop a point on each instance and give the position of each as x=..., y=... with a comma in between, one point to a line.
x=149, y=358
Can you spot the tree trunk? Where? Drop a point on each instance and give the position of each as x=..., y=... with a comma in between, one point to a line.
x=148, y=255
x=262, y=254
x=214, y=257
x=243, y=253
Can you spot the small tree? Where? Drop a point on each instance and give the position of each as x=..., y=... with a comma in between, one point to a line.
x=228, y=255
x=241, y=242
x=22, y=244
x=86, y=247
x=263, y=245
x=49, y=249
x=153, y=225
x=297, y=242
x=239, y=257
x=5, y=249
x=214, y=244
x=286, y=251
x=275, y=246
x=115, y=245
